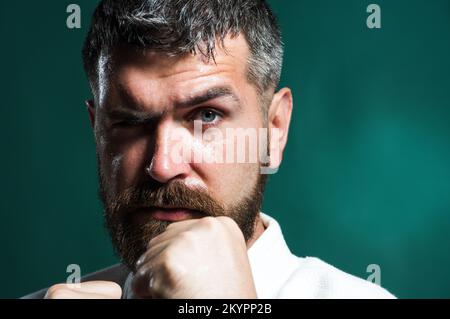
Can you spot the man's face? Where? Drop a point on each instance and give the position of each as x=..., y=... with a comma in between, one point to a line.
x=144, y=102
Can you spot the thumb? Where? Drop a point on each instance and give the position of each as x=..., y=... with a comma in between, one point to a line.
x=88, y=289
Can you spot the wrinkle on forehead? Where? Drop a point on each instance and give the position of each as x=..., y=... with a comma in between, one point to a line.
x=234, y=52
x=140, y=74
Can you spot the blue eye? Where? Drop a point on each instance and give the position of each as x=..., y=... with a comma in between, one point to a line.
x=208, y=116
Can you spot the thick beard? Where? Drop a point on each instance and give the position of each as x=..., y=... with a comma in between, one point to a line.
x=130, y=238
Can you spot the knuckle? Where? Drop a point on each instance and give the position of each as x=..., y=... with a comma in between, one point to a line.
x=229, y=222
x=169, y=265
x=142, y=260
x=187, y=236
x=59, y=291
x=226, y=219
x=167, y=261
x=171, y=226
x=167, y=274
x=209, y=222
x=55, y=288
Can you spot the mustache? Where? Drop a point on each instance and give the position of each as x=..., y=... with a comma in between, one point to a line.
x=172, y=195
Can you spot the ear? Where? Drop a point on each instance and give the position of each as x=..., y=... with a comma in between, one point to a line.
x=279, y=119
x=91, y=111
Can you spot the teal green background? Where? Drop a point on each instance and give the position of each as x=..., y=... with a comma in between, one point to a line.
x=365, y=178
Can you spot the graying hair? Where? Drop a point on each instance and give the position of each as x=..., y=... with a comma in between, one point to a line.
x=181, y=26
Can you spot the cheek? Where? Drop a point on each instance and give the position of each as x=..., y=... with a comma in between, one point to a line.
x=228, y=182
x=124, y=164
x=233, y=182
x=229, y=166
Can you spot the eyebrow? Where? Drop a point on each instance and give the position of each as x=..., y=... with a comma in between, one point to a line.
x=210, y=94
x=127, y=113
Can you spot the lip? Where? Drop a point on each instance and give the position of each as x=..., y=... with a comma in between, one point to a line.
x=169, y=214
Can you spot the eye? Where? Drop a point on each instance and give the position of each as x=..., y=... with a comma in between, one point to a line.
x=128, y=123
x=124, y=124
x=208, y=116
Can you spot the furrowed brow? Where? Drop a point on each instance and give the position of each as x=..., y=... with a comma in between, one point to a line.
x=210, y=94
x=132, y=115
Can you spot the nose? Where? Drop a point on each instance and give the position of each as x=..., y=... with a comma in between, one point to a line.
x=167, y=162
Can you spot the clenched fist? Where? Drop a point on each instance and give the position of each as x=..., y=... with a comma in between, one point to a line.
x=85, y=290
x=196, y=258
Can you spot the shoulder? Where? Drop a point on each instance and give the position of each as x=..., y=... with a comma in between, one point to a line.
x=314, y=278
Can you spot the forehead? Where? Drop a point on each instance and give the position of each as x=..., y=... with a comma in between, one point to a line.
x=144, y=77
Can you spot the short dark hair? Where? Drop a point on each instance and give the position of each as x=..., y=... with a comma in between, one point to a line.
x=181, y=26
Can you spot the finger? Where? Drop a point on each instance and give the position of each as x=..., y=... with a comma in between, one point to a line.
x=172, y=230
x=143, y=281
x=181, y=225
x=151, y=253
x=106, y=288
x=72, y=294
x=75, y=291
